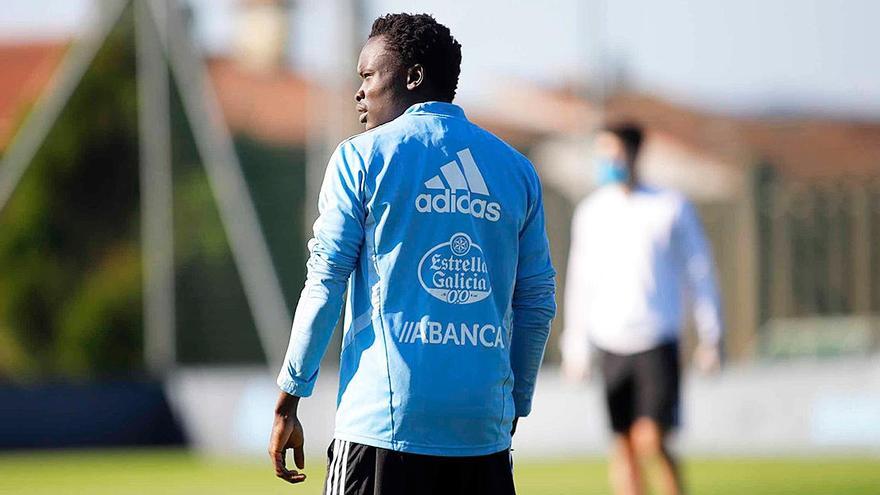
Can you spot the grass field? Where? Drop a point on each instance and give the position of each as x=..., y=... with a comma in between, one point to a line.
x=178, y=472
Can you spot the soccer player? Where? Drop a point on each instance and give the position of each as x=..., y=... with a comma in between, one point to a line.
x=636, y=252
x=437, y=229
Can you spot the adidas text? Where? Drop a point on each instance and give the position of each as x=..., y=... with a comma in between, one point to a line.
x=456, y=186
x=449, y=202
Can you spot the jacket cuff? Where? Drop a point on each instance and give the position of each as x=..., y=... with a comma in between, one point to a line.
x=522, y=406
x=293, y=387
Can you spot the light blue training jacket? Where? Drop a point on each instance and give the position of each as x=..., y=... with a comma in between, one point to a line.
x=437, y=228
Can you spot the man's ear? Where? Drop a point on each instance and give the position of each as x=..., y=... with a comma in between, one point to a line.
x=415, y=77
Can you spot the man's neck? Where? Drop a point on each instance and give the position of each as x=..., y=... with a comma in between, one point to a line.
x=630, y=187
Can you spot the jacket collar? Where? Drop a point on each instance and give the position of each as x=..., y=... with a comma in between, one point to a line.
x=437, y=108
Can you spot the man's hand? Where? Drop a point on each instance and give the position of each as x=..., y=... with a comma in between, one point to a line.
x=287, y=433
x=576, y=370
x=707, y=358
x=513, y=429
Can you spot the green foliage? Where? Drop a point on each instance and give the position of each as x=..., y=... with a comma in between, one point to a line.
x=70, y=264
x=70, y=280
x=213, y=316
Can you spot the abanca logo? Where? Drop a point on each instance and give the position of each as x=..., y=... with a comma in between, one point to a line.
x=457, y=191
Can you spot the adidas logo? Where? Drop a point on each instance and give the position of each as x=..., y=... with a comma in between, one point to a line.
x=458, y=184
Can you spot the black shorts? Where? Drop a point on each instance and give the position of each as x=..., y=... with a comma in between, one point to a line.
x=356, y=469
x=642, y=385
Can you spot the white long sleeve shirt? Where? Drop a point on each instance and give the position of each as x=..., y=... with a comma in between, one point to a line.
x=635, y=260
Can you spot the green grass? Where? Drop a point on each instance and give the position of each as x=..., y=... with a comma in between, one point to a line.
x=125, y=472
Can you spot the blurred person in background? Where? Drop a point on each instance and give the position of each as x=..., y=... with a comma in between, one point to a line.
x=437, y=228
x=637, y=254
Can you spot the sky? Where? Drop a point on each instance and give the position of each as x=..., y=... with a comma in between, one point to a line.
x=736, y=56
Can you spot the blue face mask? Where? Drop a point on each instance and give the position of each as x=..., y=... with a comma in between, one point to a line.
x=611, y=171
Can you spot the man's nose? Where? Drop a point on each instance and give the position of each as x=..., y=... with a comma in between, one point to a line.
x=359, y=95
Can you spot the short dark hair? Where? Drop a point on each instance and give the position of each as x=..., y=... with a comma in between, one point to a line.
x=630, y=134
x=420, y=39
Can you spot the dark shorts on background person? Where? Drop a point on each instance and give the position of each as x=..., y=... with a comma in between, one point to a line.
x=645, y=384
x=356, y=469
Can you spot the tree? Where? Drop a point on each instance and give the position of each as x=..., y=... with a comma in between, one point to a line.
x=69, y=252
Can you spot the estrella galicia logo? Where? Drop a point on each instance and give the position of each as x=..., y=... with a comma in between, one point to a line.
x=455, y=271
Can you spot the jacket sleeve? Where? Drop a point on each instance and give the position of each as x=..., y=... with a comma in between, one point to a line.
x=334, y=251
x=575, y=340
x=534, y=304
x=699, y=272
